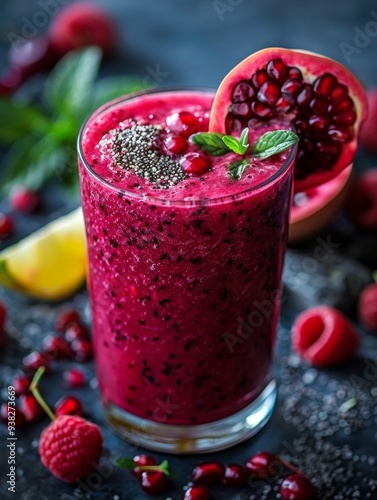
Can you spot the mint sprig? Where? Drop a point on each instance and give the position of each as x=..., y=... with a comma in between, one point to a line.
x=129, y=464
x=269, y=144
x=41, y=136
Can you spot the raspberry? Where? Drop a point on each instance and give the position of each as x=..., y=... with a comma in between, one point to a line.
x=23, y=200
x=70, y=447
x=79, y=25
x=362, y=200
x=368, y=307
x=323, y=336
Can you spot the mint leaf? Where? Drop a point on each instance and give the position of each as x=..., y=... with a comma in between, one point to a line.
x=274, y=142
x=69, y=87
x=17, y=120
x=238, y=146
x=237, y=169
x=125, y=463
x=110, y=88
x=211, y=143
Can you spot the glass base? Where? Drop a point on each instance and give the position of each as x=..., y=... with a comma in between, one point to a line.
x=201, y=438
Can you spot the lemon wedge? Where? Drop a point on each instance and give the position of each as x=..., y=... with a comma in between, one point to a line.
x=50, y=264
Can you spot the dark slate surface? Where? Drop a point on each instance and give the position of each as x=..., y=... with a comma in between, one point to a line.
x=192, y=45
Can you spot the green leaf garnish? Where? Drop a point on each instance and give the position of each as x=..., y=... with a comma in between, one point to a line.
x=211, y=143
x=237, y=169
x=274, y=142
x=238, y=146
x=129, y=464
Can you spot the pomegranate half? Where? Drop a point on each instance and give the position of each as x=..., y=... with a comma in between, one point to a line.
x=322, y=101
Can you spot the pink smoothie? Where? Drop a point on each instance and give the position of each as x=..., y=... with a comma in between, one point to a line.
x=184, y=281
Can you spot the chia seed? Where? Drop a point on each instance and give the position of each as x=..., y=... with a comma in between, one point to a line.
x=133, y=149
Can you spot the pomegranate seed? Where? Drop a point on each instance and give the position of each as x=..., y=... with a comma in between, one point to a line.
x=277, y=70
x=329, y=148
x=345, y=119
x=319, y=123
x=21, y=384
x=323, y=336
x=324, y=84
x=318, y=105
x=76, y=331
x=301, y=125
x=305, y=96
x=33, y=361
x=196, y=492
x=261, y=110
x=74, y=378
x=264, y=464
x=236, y=475
x=30, y=408
x=242, y=91
x=284, y=103
x=259, y=78
x=83, y=350
x=56, y=347
x=153, y=482
x=175, y=144
x=65, y=319
x=296, y=487
x=338, y=93
x=23, y=200
x=194, y=163
x=141, y=460
x=342, y=106
x=68, y=405
x=339, y=134
x=269, y=93
x=295, y=73
x=182, y=123
x=17, y=418
x=6, y=226
x=308, y=145
x=232, y=123
x=291, y=87
x=208, y=473
x=241, y=109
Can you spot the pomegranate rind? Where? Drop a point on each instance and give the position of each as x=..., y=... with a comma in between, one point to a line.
x=324, y=203
x=312, y=66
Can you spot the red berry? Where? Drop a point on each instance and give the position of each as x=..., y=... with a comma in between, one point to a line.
x=70, y=447
x=264, y=464
x=76, y=331
x=194, y=163
x=65, y=319
x=23, y=200
x=236, y=475
x=21, y=384
x=368, y=307
x=12, y=416
x=74, y=378
x=6, y=226
x=56, y=347
x=296, y=487
x=362, y=200
x=175, y=144
x=153, y=482
x=196, y=492
x=79, y=25
x=33, y=361
x=32, y=56
x=323, y=336
x=208, y=473
x=30, y=407
x=183, y=123
x=141, y=460
x=3, y=317
x=68, y=405
x=83, y=350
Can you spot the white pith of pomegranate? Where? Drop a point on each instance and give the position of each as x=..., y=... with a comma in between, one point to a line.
x=321, y=99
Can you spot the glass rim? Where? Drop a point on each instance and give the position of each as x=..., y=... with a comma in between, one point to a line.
x=155, y=200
